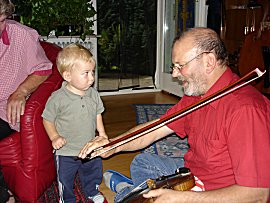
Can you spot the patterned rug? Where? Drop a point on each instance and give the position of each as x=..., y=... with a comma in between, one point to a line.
x=51, y=194
x=171, y=146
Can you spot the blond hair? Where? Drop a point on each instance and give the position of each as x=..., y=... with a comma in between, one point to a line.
x=70, y=55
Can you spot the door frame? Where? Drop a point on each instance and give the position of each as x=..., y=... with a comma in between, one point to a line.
x=164, y=80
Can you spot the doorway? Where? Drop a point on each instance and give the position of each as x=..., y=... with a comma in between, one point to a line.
x=174, y=17
x=126, y=44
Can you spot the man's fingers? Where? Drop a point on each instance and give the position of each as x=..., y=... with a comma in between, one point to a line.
x=101, y=153
x=92, y=145
x=153, y=193
x=88, y=148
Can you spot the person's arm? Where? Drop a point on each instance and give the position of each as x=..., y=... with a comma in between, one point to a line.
x=100, y=127
x=234, y=193
x=136, y=144
x=57, y=140
x=146, y=139
x=16, y=101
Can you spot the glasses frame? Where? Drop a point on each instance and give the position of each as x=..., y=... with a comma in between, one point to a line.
x=180, y=67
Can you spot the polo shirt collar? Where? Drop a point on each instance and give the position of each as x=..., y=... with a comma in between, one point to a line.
x=225, y=79
x=4, y=36
x=71, y=95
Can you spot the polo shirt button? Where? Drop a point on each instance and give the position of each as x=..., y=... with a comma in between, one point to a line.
x=83, y=106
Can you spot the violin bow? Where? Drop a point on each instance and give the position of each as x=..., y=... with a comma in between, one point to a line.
x=158, y=124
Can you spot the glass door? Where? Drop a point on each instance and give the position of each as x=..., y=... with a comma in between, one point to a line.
x=126, y=44
x=167, y=34
x=173, y=18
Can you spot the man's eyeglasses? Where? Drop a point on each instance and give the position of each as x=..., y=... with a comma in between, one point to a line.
x=180, y=67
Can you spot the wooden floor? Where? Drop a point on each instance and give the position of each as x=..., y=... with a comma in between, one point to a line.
x=119, y=117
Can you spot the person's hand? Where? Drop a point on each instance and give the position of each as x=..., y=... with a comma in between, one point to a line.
x=58, y=142
x=95, y=144
x=163, y=195
x=15, y=107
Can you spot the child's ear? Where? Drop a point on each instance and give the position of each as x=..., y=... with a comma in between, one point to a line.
x=67, y=76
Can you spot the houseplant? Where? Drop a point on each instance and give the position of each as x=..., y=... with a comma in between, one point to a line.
x=66, y=17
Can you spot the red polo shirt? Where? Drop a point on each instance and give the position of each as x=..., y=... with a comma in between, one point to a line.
x=229, y=138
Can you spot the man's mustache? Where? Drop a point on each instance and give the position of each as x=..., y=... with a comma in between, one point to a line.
x=182, y=79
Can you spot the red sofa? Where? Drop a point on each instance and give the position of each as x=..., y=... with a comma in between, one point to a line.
x=26, y=157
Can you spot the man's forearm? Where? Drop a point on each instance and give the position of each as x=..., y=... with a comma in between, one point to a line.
x=235, y=193
x=232, y=194
x=144, y=140
x=136, y=144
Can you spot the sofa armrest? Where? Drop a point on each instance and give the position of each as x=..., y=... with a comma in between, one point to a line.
x=36, y=145
x=34, y=140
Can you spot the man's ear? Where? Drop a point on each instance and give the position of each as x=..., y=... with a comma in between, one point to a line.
x=210, y=62
x=67, y=76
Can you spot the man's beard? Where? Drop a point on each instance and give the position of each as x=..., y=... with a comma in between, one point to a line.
x=195, y=85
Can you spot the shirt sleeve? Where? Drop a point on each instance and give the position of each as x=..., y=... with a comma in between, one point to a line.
x=100, y=106
x=37, y=61
x=51, y=109
x=249, y=146
x=43, y=72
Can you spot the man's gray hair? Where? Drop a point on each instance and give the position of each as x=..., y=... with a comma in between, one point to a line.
x=206, y=40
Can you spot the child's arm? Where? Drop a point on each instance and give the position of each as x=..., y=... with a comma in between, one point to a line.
x=57, y=140
x=100, y=127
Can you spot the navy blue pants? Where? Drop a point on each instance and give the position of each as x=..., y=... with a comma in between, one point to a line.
x=89, y=171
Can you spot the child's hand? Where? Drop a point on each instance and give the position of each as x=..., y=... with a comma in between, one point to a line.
x=58, y=142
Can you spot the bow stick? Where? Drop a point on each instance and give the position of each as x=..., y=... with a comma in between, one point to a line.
x=153, y=126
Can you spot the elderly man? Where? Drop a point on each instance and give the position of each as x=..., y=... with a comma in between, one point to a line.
x=229, y=138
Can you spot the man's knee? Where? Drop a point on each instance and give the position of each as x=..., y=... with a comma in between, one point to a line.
x=142, y=159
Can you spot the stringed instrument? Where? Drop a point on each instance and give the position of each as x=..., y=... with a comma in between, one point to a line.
x=182, y=180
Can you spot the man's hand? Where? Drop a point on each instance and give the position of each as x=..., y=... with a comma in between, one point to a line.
x=163, y=195
x=58, y=142
x=95, y=144
x=15, y=107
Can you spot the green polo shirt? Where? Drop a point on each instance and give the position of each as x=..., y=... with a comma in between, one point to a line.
x=74, y=116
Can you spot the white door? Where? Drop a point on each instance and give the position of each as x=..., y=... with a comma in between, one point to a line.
x=166, y=32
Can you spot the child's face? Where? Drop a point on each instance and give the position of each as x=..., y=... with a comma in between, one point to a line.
x=81, y=77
